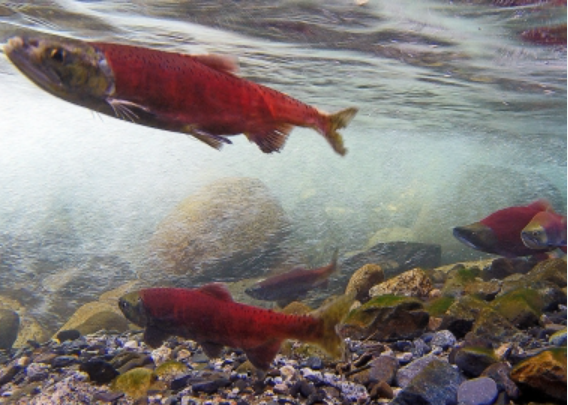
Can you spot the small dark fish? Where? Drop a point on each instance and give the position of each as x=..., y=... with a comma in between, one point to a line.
x=209, y=316
x=500, y=232
x=547, y=230
x=287, y=287
x=198, y=95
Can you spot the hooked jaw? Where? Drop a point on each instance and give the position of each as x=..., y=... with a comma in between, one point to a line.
x=535, y=238
x=477, y=236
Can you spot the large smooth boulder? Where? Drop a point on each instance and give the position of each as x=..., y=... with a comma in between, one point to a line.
x=229, y=230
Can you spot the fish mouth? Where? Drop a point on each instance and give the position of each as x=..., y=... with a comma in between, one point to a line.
x=476, y=236
x=25, y=55
x=533, y=241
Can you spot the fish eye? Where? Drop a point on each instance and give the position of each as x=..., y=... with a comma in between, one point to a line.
x=57, y=54
x=123, y=304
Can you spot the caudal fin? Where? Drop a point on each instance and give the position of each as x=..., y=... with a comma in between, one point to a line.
x=336, y=121
x=331, y=315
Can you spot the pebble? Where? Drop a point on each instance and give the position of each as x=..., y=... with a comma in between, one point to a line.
x=478, y=391
x=444, y=339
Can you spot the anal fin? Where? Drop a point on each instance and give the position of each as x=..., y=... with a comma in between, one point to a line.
x=261, y=356
x=271, y=139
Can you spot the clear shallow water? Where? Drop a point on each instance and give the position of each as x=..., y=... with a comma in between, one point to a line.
x=458, y=117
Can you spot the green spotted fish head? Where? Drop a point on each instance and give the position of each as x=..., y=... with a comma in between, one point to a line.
x=70, y=69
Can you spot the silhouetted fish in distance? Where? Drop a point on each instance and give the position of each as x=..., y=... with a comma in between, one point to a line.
x=293, y=285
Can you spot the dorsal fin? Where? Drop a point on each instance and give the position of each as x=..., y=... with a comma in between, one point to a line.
x=222, y=63
x=217, y=290
x=541, y=204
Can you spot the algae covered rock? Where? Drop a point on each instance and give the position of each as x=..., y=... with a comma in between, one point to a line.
x=522, y=308
x=386, y=317
x=439, y=306
x=472, y=361
x=9, y=327
x=363, y=279
x=412, y=283
x=461, y=315
x=543, y=375
x=136, y=383
x=227, y=230
x=457, y=280
x=493, y=327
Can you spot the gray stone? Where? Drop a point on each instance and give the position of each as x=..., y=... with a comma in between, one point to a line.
x=405, y=374
x=383, y=368
x=444, y=339
x=479, y=391
x=9, y=326
x=436, y=384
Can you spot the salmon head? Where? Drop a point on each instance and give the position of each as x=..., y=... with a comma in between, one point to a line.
x=72, y=70
x=132, y=307
x=546, y=230
x=477, y=236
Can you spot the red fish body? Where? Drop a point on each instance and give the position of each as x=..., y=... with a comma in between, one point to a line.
x=209, y=316
x=292, y=285
x=500, y=232
x=198, y=95
x=546, y=230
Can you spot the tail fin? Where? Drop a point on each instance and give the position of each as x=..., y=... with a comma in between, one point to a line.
x=331, y=315
x=336, y=121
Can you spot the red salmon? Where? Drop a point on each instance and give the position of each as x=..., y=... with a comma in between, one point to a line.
x=209, y=316
x=198, y=95
x=500, y=232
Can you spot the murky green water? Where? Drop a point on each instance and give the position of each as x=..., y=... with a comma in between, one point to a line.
x=458, y=117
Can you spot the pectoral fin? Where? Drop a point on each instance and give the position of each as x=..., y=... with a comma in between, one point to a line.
x=261, y=356
x=154, y=337
x=214, y=141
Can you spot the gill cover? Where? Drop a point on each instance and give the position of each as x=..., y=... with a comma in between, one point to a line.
x=69, y=69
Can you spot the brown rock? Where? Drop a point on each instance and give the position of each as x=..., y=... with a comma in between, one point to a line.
x=363, y=279
x=412, y=283
x=544, y=373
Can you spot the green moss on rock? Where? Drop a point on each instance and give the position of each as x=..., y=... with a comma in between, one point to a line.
x=522, y=307
x=135, y=383
x=439, y=306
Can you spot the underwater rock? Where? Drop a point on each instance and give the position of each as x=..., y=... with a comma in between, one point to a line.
x=363, y=279
x=135, y=383
x=522, y=307
x=558, y=338
x=462, y=314
x=500, y=373
x=472, y=361
x=96, y=316
x=458, y=279
x=229, y=230
x=100, y=371
x=296, y=308
x=387, y=235
x=479, y=391
x=493, y=327
x=386, y=317
x=383, y=368
x=404, y=255
x=504, y=267
x=10, y=324
x=412, y=283
x=545, y=374
x=437, y=383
